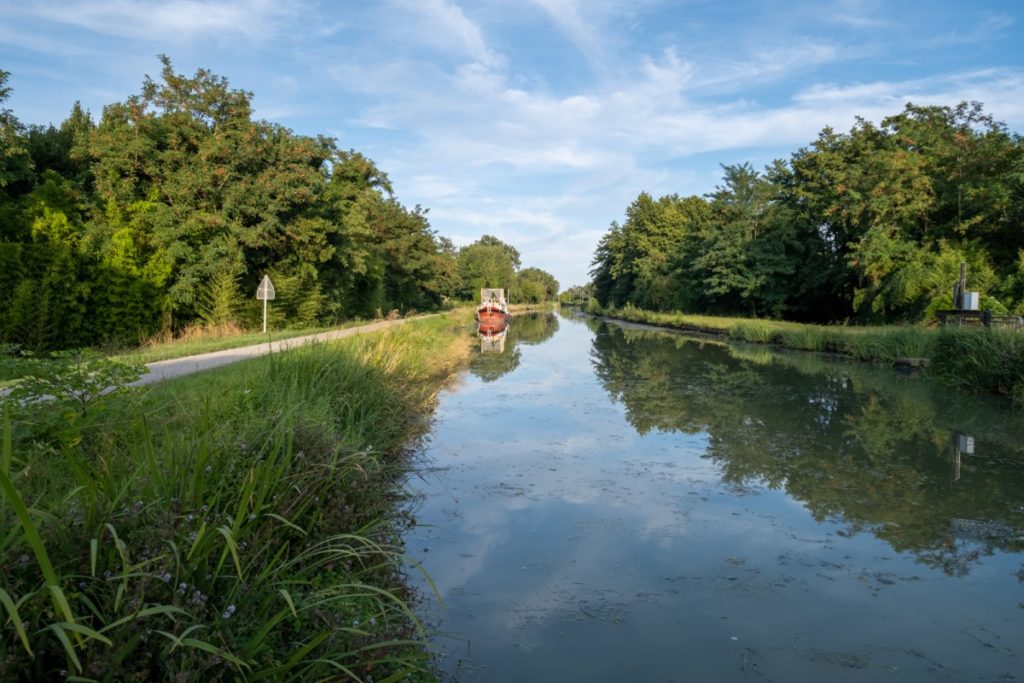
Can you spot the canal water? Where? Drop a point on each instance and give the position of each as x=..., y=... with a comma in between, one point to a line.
x=606, y=502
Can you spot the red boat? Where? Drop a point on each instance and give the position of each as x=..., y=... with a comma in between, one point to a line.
x=485, y=327
x=493, y=310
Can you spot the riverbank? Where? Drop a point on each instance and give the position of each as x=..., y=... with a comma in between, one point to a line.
x=238, y=522
x=970, y=358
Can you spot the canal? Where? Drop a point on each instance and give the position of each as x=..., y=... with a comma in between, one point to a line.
x=606, y=502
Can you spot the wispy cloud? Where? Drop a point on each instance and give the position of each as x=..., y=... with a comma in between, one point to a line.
x=990, y=26
x=856, y=14
x=568, y=16
x=444, y=26
x=178, y=20
x=1002, y=90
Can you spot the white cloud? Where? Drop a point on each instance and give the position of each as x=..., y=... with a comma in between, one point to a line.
x=596, y=148
x=1002, y=91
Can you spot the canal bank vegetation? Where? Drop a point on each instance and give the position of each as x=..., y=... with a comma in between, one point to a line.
x=861, y=233
x=234, y=524
x=973, y=358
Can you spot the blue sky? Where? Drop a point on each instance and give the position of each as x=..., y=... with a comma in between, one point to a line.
x=537, y=121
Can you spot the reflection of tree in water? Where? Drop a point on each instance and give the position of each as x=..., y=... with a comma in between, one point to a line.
x=854, y=443
x=533, y=328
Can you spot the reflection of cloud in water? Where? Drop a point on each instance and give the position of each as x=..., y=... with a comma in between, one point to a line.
x=586, y=476
x=688, y=486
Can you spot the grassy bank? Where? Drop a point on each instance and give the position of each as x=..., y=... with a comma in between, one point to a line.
x=971, y=358
x=235, y=524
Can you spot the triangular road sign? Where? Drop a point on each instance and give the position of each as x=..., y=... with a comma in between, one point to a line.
x=265, y=291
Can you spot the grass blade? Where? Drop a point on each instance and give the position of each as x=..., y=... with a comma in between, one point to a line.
x=85, y=631
x=36, y=543
x=66, y=643
x=288, y=598
x=233, y=548
x=166, y=610
x=15, y=617
x=214, y=650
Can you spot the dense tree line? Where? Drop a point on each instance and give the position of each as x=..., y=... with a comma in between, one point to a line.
x=170, y=209
x=869, y=225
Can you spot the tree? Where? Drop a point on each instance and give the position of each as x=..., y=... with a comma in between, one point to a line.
x=15, y=162
x=488, y=262
x=636, y=260
x=742, y=255
x=869, y=224
x=535, y=286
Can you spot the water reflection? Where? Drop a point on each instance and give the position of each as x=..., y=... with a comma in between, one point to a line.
x=609, y=503
x=492, y=341
x=501, y=355
x=853, y=444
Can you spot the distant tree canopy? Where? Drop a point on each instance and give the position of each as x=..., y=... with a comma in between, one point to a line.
x=577, y=294
x=170, y=210
x=534, y=286
x=489, y=262
x=870, y=225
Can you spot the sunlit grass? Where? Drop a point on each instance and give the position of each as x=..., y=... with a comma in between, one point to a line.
x=205, y=343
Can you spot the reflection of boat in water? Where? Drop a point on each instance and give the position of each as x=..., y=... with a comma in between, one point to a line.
x=492, y=337
x=493, y=308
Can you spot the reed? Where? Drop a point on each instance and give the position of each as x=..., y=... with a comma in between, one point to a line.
x=969, y=358
x=239, y=524
x=990, y=360
x=883, y=344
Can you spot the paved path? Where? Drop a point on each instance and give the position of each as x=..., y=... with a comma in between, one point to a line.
x=176, y=367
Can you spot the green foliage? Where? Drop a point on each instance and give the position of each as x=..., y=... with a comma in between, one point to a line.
x=869, y=225
x=223, y=299
x=577, y=294
x=15, y=162
x=76, y=388
x=488, y=262
x=170, y=210
x=534, y=286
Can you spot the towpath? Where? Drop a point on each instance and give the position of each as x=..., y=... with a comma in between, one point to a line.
x=176, y=367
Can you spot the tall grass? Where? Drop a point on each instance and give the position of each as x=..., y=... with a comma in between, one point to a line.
x=234, y=525
x=882, y=344
x=970, y=358
x=991, y=360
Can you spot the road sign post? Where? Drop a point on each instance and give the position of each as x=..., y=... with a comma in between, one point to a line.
x=265, y=292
